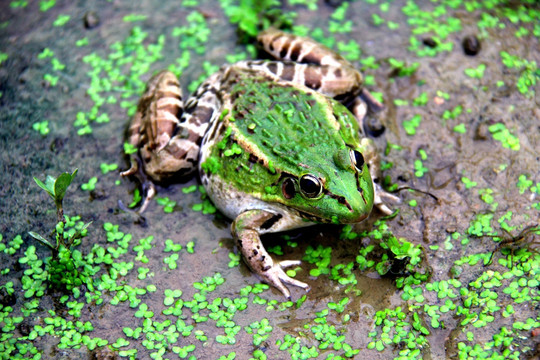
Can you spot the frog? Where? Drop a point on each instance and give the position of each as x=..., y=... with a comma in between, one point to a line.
x=279, y=144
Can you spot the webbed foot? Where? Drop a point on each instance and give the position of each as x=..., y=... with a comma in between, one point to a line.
x=245, y=229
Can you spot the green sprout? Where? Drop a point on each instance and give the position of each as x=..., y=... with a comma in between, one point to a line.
x=168, y=204
x=61, y=20
x=400, y=69
x=56, y=188
x=45, y=5
x=504, y=136
x=468, y=182
x=410, y=126
x=18, y=4
x=42, y=127
x=252, y=16
x=476, y=72
x=90, y=185
x=61, y=267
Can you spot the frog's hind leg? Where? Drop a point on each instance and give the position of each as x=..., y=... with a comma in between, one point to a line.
x=307, y=62
x=166, y=132
x=312, y=64
x=151, y=127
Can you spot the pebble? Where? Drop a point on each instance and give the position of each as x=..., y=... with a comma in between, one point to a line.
x=91, y=20
x=471, y=45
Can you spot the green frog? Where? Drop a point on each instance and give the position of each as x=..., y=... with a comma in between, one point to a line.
x=274, y=143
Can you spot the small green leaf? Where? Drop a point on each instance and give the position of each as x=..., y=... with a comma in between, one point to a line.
x=41, y=239
x=62, y=183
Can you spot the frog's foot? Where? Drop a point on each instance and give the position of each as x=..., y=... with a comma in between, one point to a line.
x=378, y=199
x=275, y=276
x=245, y=229
x=148, y=187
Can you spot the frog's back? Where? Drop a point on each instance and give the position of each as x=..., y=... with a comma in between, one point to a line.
x=273, y=130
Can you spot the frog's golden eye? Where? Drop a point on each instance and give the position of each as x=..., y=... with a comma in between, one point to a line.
x=288, y=188
x=357, y=160
x=310, y=186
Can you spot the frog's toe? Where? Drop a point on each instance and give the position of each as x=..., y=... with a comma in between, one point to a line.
x=380, y=194
x=275, y=276
x=149, y=191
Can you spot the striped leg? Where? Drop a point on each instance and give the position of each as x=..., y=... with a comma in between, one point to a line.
x=319, y=68
x=168, y=144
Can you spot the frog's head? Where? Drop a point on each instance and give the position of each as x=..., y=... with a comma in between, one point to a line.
x=339, y=191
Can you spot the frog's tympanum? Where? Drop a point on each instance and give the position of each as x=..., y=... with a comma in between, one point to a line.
x=274, y=143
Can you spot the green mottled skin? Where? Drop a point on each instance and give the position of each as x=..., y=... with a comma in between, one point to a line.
x=297, y=131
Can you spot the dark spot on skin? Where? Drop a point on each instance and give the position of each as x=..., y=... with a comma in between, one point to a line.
x=270, y=222
x=240, y=243
x=363, y=198
x=255, y=252
x=288, y=72
x=272, y=67
x=295, y=52
x=253, y=159
x=338, y=73
x=284, y=50
x=311, y=58
x=342, y=201
x=312, y=78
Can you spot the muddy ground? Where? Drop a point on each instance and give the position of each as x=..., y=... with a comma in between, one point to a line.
x=466, y=171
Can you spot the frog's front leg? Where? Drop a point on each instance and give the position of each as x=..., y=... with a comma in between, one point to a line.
x=245, y=229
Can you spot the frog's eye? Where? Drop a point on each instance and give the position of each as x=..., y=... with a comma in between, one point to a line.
x=310, y=186
x=288, y=188
x=357, y=160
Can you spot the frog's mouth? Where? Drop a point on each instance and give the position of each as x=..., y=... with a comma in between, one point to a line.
x=320, y=220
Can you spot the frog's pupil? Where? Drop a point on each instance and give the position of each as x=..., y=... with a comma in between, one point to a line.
x=310, y=186
x=288, y=188
x=357, y=159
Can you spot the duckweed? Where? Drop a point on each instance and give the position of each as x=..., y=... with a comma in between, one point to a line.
x=479, y=294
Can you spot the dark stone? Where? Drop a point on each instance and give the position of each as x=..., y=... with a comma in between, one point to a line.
x=471, y=45
x=373, y=127
x=429, y=42
x=334, y=3
x=91, y=20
